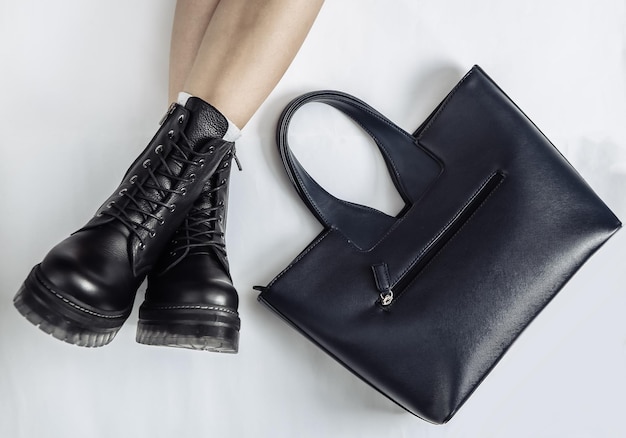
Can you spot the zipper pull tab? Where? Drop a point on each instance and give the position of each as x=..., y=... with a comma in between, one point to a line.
x=170, y=110
x=237, y=161
x=383, y=283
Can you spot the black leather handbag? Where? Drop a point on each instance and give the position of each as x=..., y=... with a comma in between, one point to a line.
x=422, y=305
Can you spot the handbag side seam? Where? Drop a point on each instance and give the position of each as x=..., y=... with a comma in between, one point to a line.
x=300, y=256
x=446, y=102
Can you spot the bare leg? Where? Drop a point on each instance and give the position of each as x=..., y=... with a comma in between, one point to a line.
x=191, y=19
x=247, y=47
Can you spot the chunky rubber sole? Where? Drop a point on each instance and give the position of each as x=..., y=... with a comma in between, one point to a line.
x=67, y=320
x=208, y=328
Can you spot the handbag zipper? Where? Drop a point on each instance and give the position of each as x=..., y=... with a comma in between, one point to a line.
x=388, y=292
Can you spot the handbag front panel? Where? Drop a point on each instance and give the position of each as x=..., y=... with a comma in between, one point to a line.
x=470, y=264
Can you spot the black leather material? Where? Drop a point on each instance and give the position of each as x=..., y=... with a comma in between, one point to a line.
x=194, y=267
x=197, y=280
x=423, y=305
x=99, y=267
x=412, y=172
x=191, y=283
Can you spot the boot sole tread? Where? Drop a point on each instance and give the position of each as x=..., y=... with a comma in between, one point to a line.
x=196, y=327
x=67, y=321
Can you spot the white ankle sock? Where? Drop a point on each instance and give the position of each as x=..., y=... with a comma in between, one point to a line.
x=232, y=133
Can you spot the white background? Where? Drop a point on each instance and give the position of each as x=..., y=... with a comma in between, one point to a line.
x=83, y=85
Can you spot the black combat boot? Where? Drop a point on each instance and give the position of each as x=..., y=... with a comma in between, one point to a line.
x=190, y=300
x=83, y=290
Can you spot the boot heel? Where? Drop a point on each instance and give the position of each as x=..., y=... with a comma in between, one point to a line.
x=208, y=330
x=61, y=318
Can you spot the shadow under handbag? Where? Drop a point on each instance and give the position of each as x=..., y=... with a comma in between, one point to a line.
x=422, y=305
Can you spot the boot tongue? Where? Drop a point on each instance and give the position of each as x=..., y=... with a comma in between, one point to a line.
x=208, y=123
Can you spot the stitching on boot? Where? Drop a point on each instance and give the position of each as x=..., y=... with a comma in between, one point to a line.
x=76, y=306
x=221, y=309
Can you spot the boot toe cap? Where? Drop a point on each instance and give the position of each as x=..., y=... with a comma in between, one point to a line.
x=197, y=280
x=87, y=270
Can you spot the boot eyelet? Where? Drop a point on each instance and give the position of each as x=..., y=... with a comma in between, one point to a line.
x=181, y=119
x=211, y=149
x=158, y=149
x=133, y=179
x=172, y=208
x=221, y=203
x=110, y=204
x=147, y=163
x=170, y=133
x=142, y=246
x=183, y=191
x=201, y=162
x=173, y=253
x=152, y=234
x=192, y=177
x=226, y=164
x=222, y=182
x=161, y=221
x=122, y=192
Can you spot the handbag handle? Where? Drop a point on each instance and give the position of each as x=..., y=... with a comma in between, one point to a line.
x=412, y=169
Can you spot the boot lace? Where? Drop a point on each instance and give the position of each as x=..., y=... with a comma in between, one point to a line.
x=146, y=196
x=199, y=230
